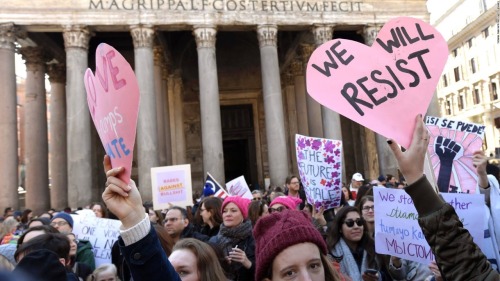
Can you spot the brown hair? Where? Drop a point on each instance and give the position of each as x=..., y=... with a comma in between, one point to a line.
x=207, y=262
x=334, y=233
x=255, y=211
x=103, y=208
x=290, y=178
x=165, y=240
x=213, y=205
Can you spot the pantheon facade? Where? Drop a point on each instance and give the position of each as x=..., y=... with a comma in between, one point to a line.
x=221, y=82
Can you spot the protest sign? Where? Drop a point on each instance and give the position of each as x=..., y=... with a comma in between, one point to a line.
x=385, y=86
x=320, y=170
x=397, y=231
x=101, y=233
x=451, y=146
x=171, y=185
x=239, y=187
x=113, y=100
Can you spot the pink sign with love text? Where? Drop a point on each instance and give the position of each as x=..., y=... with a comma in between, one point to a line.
x=382, y=87
x=113, y=99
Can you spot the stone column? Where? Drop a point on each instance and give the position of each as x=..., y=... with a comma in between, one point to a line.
x=166, y=116
x=178, y=118
x=35, y=131
x=331, y=119
x=314, y=121
x=76, y=42
x=377, y=144
x=273, y=103
x=147, y=135
x=292, y=117
x=300, y=96
x=160, y=119
x=8, y=118
x=58, y=140
x=211, y=128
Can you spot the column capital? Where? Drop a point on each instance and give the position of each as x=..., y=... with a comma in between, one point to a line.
x=306, y=51
x=205, y=36
x=7, y=35
x=268, y=35
x=57, y=72
x=35, y=58
x=158, y=55
x=288, y=78
x=296, y=67
x=142, y=35
x=164, y=72
x=76, y=36
x=370, y=33
x=322, y=33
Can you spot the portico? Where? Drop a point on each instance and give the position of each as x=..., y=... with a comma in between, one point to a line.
x=191, y=59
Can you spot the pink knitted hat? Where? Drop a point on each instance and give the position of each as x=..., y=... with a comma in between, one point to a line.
x=278, y=231
x=290, y=202
x=241, y=202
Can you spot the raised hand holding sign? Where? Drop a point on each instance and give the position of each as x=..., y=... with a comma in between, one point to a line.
x=385, y=86
x=113, y=99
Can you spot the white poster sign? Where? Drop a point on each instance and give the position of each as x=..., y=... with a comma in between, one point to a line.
x=101, y=233
x=397, y=231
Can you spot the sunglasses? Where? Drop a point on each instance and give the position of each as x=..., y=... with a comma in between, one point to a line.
x=279, y=209
x=350, y=222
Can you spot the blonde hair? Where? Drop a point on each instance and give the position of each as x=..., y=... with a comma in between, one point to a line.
x=95, y=275
x=7, y=226
x=5, y=264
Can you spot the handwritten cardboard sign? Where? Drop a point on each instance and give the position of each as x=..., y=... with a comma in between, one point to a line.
x=451, y=146
x=101, y=233
x=113, y=100
x=382, y=87
x=239, y=187
x=320, y=170
x=171, y=185
x=397, y=231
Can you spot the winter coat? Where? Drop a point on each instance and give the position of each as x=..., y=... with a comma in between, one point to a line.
x=84, y=254
x=147, y=260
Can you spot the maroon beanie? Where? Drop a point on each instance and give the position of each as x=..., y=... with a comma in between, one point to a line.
x=278, y=231
x=241, y=202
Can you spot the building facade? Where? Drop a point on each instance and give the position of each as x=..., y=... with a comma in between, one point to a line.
x=470, y=83
x=222, y=88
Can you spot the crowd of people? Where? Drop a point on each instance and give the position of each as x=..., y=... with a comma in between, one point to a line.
x=275, y=236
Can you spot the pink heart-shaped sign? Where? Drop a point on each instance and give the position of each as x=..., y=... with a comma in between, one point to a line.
x=382, y=87
x=113, y=99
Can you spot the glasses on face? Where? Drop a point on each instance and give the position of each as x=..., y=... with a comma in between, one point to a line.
x=257, y=198
x=368, y=208
x=58, y=223
x=279, y=209
x=294, y=182
x=358, y=221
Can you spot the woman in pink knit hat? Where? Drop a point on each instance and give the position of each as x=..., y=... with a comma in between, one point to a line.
x=235, y=240
x=281, y=203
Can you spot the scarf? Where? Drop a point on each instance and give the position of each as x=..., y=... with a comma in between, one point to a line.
x=348, y=265
x=230, y=237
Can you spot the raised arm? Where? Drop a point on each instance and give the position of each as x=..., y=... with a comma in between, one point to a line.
x=458, y=257
x=138, y=240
